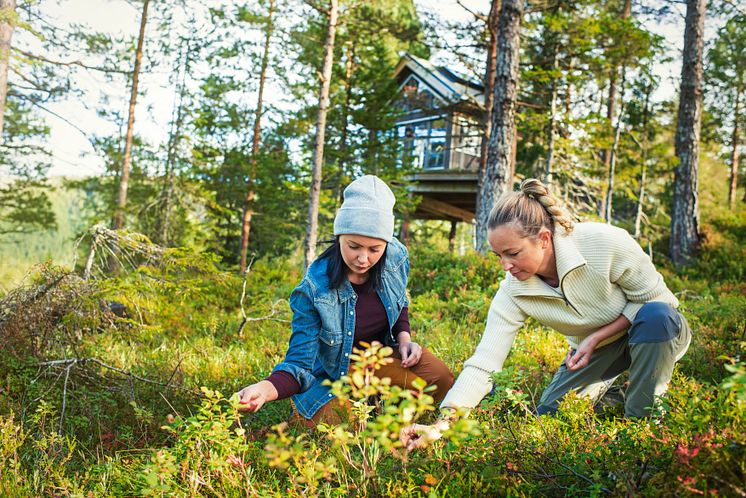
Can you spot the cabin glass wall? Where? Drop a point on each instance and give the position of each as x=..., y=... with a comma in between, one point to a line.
x=424, y=143
x=466, y=140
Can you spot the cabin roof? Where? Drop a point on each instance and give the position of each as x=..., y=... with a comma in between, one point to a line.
x=448, y=86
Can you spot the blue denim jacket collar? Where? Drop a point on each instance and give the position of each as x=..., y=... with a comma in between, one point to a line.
x=345, y=292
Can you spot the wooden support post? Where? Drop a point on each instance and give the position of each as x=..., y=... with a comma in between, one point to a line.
x=404, y=231
x=452, y=236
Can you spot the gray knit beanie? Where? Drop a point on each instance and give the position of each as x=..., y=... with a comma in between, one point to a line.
x=368, y=209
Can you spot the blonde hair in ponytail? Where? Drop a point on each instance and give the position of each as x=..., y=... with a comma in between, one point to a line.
x=532, y=208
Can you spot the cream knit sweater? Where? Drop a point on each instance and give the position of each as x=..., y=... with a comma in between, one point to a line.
x=603, y=273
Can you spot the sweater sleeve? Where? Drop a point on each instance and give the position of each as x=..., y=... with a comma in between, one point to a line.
x=504, y=319
x=285, y=384
x=633, y=271
x=402, y=324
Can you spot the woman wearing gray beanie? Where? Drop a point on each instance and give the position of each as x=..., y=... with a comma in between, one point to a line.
x=354, y=292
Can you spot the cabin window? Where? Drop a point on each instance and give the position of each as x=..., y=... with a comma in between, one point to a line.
x=424, y=143
x=413, y=97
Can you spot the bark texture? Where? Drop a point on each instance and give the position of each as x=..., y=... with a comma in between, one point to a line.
x=498, y=169
x=318, y=155
x=127, y=160
x=685, y=210
x=256, y=140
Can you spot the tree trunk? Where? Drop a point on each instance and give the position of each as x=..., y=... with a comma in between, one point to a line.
x=640, y=200
x=124, y=179
x=318, y=155
x=734, y=150
x=489, y=82
x=167, y=194
x=404, y=235
x=489, y=95
x=613, y=155
x=685, y=210
x=7, y=25
x=452, y=236
x=255, y=141
x=343, y=137
x=611, y=105
x=497, y=174
x=644, y=163
x=548, y=178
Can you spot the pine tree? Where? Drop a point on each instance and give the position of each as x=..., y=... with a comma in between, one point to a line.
x=256, y=137
x=318, y=155
x=685, y=212
x=499, y=167
x=726, y=85
x=127, y=158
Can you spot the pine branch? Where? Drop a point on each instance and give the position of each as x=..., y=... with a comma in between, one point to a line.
x=70, y=63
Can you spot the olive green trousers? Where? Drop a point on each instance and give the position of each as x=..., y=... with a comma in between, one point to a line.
x=656, y=340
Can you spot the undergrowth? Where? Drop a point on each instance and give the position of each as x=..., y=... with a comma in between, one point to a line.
x=120, y=386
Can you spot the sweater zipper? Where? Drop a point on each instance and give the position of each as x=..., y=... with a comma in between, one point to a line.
x=562, y=289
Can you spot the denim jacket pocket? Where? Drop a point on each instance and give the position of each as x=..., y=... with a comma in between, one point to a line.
x=330, y=350
x=331, y=339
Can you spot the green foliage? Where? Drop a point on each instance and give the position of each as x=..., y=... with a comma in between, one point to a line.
x=181, y=332
x=24, y=204
x=726, y=83
x=737, y=381
x=209, y=455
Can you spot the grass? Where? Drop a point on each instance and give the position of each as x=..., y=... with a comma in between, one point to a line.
x=166, y=430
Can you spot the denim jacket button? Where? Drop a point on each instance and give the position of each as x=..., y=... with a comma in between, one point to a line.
x=349, y=333
x=346, y=355
x=352, y=312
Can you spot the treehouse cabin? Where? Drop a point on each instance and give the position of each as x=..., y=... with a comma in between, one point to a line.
x=440, y=133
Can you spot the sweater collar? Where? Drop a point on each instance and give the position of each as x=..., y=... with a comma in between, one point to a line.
x=567, y=258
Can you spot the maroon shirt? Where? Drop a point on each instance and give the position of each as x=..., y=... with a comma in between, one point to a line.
x=371, y=324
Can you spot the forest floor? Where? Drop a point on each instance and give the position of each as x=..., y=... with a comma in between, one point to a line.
x=102, y=400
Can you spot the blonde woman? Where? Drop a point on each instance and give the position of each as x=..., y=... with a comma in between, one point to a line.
x=589, y=281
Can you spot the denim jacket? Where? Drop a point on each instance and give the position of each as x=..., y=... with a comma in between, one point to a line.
x=324, y=326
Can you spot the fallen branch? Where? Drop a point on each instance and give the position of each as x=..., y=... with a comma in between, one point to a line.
x=247, y=319
x=69, y=363
x=64, y=397
x=261, y=318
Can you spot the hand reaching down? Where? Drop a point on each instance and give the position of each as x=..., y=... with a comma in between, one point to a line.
x=418, y=435
x=253, y=397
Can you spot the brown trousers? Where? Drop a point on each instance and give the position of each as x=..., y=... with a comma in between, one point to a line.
x=430, y=368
